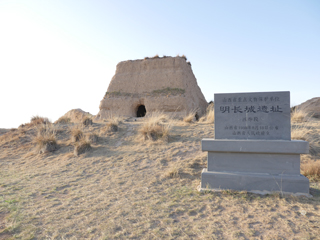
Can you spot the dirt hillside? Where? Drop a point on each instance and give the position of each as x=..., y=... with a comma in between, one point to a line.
x=312, y=107
x=76, y=115
x=130, y=187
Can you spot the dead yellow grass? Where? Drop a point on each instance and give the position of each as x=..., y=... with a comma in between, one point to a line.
x=172, y=173
x=112, y=125
x=154, y=131
x=298, y=116
x=46, y=139
x=311, y=169
x=82, y=146
x=190, y=117
x=156, y=127
x=76, y=133
x=35, y=120
x=307, y=131
x=63, y=120
x=209, y=117
x=120, y=190
x=87, y=121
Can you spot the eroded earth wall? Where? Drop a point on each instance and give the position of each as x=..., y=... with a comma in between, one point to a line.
x=160, y=84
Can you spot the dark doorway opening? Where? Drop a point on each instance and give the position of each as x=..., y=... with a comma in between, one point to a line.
x=141, y=112
x=197, y=117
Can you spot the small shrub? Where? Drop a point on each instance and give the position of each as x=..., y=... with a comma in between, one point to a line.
x=76, y=134
x=46, y=140
x=156, y=56
x=183, y=56
x=87, y=121
x=81, y=147
x=298, y=116
x=63, y=120
x=311, y=169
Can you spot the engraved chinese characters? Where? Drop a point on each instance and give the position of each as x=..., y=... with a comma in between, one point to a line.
x=264, y=115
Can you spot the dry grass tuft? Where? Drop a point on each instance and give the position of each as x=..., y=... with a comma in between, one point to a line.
x=81, y=147
x=300, y=133
x=63, y=120
x=156, y=56
x=311, y=169
x=87, y=121
x=113, y=124
x=36, y=120
x=307, y=133
x=155, y=127
x=76, y=134
x=46, y=139
x=298, y=116
x=92, y=137
x=191, y=117
x=172, y=173
x=209, y=117
x=111, y=127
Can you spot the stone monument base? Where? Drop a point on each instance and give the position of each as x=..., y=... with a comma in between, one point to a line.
x=255, y=165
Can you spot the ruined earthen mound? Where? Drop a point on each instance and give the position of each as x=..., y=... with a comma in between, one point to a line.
x=311, y=107
x=76, y=115
x=154, y=84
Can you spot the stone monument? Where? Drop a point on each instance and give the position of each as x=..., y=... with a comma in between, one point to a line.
x=252, y=149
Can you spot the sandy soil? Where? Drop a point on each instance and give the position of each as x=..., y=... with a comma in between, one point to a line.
x=127, y=188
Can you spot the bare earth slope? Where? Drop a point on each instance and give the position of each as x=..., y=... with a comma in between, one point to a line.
x=76, y=115
x=312, y=106
x=131, y=189
x=3, y=130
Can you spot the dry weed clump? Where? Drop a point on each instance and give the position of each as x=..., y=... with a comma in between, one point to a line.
x=113, y=124
x=76, y=134
x=91, y=137
x=311, y=169
x=191, y=117
x=307, y=133
x=81, y=147
x=36, y=120
x=172, y=173
x=298, y=116
x=63, y=120
x=209, y=117
x=46, y=139
x=87, y=121
x=111, y=127
x=155, y=128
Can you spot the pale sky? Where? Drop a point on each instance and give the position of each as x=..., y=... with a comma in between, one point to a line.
x=59, y=55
